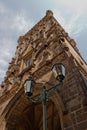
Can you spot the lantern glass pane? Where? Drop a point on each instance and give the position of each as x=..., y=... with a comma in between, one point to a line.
x=63, y=70
x=58, y=69
x=28, y=85
x=54, y=71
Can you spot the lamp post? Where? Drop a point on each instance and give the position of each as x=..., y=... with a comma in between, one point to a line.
x=58, y=70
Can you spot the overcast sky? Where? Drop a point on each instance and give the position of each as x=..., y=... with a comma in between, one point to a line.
x=19, y=16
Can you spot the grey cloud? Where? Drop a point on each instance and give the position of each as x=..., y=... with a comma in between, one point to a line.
x=2, y=74
x=82, y=43
x=32, y=9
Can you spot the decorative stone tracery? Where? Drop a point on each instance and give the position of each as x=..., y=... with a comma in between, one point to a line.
x=45, y=44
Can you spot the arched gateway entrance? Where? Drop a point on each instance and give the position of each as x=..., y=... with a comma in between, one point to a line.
x=22, y=114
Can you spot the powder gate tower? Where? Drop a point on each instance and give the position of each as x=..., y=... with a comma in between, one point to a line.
x=45, y=44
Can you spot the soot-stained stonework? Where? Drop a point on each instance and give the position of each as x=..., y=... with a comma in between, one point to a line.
x=45, y=44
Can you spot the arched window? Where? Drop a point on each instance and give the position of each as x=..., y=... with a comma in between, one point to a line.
x=29, y=62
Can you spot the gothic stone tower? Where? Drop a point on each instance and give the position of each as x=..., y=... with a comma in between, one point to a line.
x=45, y=44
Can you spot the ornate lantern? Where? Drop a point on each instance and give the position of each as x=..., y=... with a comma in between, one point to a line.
x=29, y=85
x=59, y=71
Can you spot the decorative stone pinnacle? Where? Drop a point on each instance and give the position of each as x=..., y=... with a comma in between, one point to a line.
x=49, y=13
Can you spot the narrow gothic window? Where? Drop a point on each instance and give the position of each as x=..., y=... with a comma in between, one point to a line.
x=29, y=62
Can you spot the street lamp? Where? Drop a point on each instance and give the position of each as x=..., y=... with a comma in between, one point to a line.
x=58, y=70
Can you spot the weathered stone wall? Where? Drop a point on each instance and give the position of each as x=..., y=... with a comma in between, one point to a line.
x=45, y=44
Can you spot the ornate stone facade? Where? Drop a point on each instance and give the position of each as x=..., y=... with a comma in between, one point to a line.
x=45, y=44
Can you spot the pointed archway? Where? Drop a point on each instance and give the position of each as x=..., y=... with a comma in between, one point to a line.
x=25, y=115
